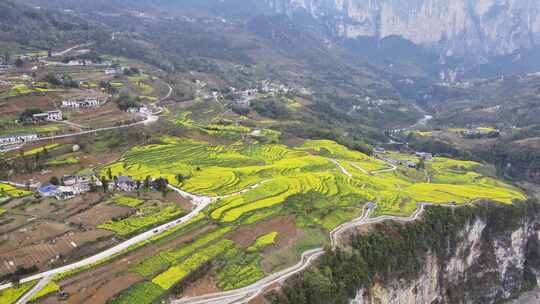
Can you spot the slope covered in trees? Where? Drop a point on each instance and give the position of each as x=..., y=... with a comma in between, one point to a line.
x=42, y=28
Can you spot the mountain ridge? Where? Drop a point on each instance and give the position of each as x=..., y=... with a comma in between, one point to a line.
x=481, y=28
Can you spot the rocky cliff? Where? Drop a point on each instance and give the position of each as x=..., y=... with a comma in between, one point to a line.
x=486, y=254
x=487, y=266
x=479, y=28
x=493, y=260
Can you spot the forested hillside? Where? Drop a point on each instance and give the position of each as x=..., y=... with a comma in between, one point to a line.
x=42, y=28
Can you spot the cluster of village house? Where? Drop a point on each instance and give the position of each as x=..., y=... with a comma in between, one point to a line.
x=380, y=153
x=12, y=139
x=51, y=116
x=74, y=185
x=480, y=133
x=71, y=186
x=73, y=103
x=247, y=95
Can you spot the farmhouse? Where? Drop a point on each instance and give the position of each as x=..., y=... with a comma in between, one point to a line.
x=137, y=109
x=48, y=116
x=125, y=183
x=410, y=164
x=17, y=138
x=425, y=156
x=76, y=62
x=112, y=71
x=81, y=103
x=81, y=183
x=64, y=193
x=407, y=163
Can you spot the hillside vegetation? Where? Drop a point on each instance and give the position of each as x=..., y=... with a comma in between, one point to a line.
x=43, y=28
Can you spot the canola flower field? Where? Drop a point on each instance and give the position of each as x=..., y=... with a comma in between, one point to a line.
x=12, y=192
x=281, y=171
x=321, y=183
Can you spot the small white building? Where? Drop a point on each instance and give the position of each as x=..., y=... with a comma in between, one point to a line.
x=18, y=138
x=81, y=103
x=410, y=164
x=112, y=71
x=425, y=156
x=76, y=62
x=48, y=116
x=64, y=193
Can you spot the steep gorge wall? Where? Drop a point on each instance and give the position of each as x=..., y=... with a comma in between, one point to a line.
x=484, y=254
x=487, y=265
x=454, y=27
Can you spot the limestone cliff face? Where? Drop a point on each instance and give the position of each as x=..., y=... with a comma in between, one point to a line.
x=487, y=265
x=481, y=28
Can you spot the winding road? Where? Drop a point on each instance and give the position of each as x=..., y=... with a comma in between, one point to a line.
x=246, y=294
x=62, y=53
x=242, y=295
x=39, y=286
x=200, y=203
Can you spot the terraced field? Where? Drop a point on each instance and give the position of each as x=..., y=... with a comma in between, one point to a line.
x=146, y=218
x=263, y=241
x=11, y=295
x=126, y=201
x=231, y=130
x=216, y=170
x=318, y=183
x=12, y=192
x=41, y=149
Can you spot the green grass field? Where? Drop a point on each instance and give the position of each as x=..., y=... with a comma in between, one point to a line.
x=238, y=269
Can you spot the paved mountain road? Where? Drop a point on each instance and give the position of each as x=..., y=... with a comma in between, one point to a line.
x=200, y=203
x=62, y=53
x=244, y=295
x=39, y=286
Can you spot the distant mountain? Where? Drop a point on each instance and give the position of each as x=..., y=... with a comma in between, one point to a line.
x=477, y=29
